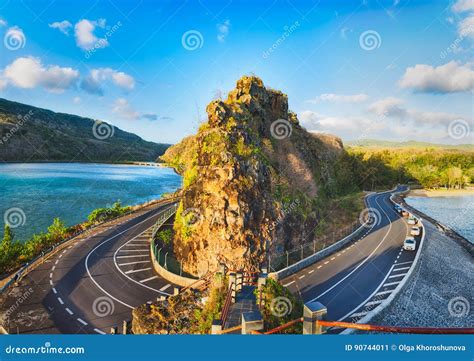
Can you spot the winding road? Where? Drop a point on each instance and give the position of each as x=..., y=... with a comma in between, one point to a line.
x=355, y=280
x=94, y=283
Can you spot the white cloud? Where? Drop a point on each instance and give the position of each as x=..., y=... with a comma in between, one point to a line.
x=388, y=107
x=466, y=27
x=84, y=33
x=76, y=100
x=29, y=73
x=448, y=78
x=3, y=22
x=223, y=30
x=123, y=109
x=94, y=82
x=336, y=98
x=463, y=5
x=63, y=26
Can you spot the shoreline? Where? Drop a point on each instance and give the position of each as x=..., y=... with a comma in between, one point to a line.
x=139, y=163
x=429, y=193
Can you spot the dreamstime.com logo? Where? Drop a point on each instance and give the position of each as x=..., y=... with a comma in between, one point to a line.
x=281, y=129
x=46, y=349
x=14, y=39
x=370, y=40
x=370, y=217
x=103, y=306
x=102, y=130
x=281, y=306
x=14, y=217
x=459, y=307
x=192, y=40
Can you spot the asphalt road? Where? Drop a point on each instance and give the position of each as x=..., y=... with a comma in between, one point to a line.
x=356, y=279
x=95, y=283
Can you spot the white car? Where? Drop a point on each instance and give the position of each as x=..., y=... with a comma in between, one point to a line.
x=409, y=244
x=415, y=231
x=411, y=220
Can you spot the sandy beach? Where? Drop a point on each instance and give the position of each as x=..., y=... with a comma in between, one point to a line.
x=441, y=192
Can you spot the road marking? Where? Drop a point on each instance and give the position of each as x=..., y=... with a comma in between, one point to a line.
x=60, y=301
x=409, y=262
x=398, y=275
x=148, y=279
x=301, y=277
x=57, y=261
x=392, y=283
x=289, y=283
x=99, y=331
x=372, y=303
x=82, y=321
x=130, y=263
x=69, y=311
x=311, y=271
x=134, y=250
x=51, y=282
x=401, y=269
x=64, y=251
x=60, y=256
x=165, y=287
x=52, y=269
x=383, y=293
x=54, y=291
x=138, y=270
x=332, y=259
x=326, y=262
x=51, y=275
x=138, y=255
x=359, y=314
x=319, y=267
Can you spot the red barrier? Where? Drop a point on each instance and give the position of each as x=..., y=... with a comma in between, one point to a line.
x=227, y=303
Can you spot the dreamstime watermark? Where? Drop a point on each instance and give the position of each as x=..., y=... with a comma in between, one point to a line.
x=18, y=302
x=459, y=129
x=192, y=40
x=281, y=129
x=102, y=130
x=456, y=44
x=370, y=40
x=459, y=307
x=14, y=217
x=14, y=39
x=370, y=217
x=288, y=30
x=22, y=119
x=103, y=306
x=281, y=306
x=285, y=211
x=103, y=42
x=45, y=349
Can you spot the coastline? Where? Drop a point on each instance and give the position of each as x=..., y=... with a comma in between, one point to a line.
x=428, y=193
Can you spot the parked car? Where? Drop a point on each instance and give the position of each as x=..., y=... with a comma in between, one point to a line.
x=405, y=213
x=412, y=220
x=398, y=208
x=415, y=231
x=409, y=244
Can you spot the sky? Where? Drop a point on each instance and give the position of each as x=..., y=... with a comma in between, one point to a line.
x=394, y=70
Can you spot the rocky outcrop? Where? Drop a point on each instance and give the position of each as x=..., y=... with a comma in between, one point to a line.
x=252, y=176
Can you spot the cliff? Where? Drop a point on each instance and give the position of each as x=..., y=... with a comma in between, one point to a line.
x=253, y=181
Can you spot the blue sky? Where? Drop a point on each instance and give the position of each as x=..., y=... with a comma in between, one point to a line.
x=396, y=70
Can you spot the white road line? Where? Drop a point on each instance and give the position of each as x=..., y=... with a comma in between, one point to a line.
x=359, y=314
x=164, y=288
x=52, y=269
x=60, y=256
x=60, y=301
x=57, y=261
x=319, y=267
x=64, y=251
x=138, y=255
x=311, y=271
x=82, y=321
x=133, y=250
x=148, y=279
x=392, y=283
x=54, y=291
x=51, y=275
x=51, y=282
x=130, y=263
x=138, y=270
x=333, y=258
x=326, y=262
x=383, y=293
x=301, y=277
x=409, y=262
x=398, y=275
x=99, y=331
x=286, y=285
x=69, y=311
x=400, y=269
x=372, y=303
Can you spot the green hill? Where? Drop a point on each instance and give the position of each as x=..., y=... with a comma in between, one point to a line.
x=376, y=143
x=28, y=133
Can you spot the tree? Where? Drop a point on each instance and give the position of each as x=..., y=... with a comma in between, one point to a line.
x=57, y=230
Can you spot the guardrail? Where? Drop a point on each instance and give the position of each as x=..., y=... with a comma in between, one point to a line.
x=29, y=266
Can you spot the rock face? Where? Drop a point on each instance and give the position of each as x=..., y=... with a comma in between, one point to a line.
x=251, y=176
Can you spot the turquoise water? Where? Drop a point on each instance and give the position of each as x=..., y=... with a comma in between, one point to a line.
x=38, y=192
x=454, y=212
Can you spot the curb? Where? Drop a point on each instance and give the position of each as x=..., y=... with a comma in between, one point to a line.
x=399, y=287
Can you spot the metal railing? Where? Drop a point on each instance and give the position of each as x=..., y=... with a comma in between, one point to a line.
x=288, y=258
x=227, y=304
